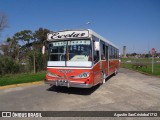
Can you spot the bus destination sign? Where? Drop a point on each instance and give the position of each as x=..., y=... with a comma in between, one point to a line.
x=68, y=34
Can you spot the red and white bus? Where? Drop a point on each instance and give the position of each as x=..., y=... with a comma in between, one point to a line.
x=80, y=58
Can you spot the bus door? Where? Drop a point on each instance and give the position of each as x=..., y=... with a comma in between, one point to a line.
x=103, y=64
x=96, y=60
x=107, y=60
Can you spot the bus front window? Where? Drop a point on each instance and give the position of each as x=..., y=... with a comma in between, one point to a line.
x=69, y=52
x=57, y=51
x=79, y=50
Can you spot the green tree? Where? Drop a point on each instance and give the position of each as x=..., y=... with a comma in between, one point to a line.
x=26, y=36
x=25, y=39
x=11, y=48
x=26, y=46
x=40, y=35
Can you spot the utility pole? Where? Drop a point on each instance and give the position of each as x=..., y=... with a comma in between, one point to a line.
x=34, y=61
x=153, y=53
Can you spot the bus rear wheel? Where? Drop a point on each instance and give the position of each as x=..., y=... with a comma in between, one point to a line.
x=103, y=78
x=115, y=71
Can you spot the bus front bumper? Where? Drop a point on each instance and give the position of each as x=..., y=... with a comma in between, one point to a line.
x=68, y=84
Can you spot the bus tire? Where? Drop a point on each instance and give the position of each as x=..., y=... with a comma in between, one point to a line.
x=115, y=71
x=103, y=78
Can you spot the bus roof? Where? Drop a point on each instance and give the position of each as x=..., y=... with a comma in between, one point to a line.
x=81, y=33
x=91, y=32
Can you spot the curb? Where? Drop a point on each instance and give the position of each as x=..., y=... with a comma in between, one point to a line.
x=21, y=85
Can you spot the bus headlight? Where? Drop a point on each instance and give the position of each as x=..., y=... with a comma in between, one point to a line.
x=51, y=74
x=82, y=75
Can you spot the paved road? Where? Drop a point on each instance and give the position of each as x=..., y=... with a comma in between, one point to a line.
x=128, y=90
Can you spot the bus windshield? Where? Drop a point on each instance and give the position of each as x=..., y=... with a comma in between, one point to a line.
x=70, y=52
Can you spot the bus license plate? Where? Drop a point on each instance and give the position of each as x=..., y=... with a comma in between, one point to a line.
x=62, y=82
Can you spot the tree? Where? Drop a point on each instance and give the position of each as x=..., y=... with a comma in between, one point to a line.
x=3, y=21
x=25, y=46
x=26, y=36
x=3, y=24
x=40, y=35
x=133, y=54
x=10, y=48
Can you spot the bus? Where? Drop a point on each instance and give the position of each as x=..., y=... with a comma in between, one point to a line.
x=80, y=58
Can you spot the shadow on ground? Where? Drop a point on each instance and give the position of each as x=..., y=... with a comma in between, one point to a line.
x=77, y=91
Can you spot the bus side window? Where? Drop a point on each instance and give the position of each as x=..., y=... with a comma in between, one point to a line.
x=113, y=53
x=118, y=54
x=106, y=52
x=96, y=56
x=102, y=51
x=110, y=52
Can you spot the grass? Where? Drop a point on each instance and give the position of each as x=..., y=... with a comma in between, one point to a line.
x=139, y=59
x=21, y=78
x=147, y=70
x=31, y=77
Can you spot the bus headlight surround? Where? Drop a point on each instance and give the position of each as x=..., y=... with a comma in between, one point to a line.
x=83, y=75
x=51, y=74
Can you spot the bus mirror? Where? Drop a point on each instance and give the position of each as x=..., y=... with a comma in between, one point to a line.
x=43, y=49
x=96, y=46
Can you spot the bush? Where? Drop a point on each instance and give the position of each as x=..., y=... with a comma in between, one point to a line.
x=8, y=66
x=11, y=66
x=40, y=61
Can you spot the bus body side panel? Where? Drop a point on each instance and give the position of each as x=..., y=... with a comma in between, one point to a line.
x=113, y=65
x=117, y=64
x=104, y=66
x=97, y=73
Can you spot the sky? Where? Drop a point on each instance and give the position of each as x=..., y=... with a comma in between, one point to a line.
x=131, y=23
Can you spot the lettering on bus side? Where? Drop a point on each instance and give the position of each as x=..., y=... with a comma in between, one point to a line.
x=68, y=34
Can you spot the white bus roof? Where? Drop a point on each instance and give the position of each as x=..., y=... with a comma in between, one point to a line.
x=91, y=32
x=85, y=33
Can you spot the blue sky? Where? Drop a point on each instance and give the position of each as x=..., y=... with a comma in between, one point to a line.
x=133, y=23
